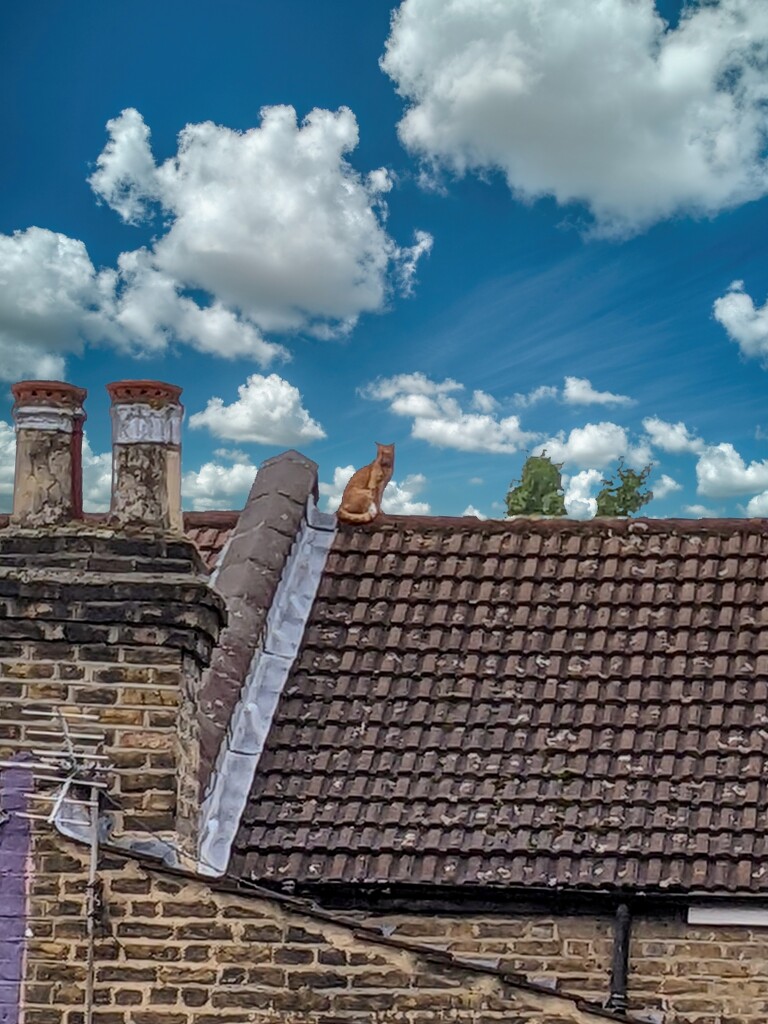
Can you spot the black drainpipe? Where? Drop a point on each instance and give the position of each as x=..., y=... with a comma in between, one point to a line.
x=620, y=963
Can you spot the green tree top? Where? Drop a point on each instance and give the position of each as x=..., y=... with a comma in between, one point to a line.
x=539, y=491
x=623, y=494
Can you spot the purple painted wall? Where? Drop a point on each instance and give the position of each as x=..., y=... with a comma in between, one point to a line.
x=14, y=854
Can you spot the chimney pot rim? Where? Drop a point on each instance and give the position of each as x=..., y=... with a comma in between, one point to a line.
x=57, y=393
x=124, y=392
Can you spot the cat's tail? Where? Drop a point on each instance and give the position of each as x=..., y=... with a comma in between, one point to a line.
x=356, y=517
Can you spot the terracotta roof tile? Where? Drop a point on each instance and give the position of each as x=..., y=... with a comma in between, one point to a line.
x=526, y=703
x=210, y=532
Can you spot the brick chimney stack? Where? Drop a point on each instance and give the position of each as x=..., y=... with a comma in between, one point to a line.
x=146, y=454
x=48, y=483
x=116, y=623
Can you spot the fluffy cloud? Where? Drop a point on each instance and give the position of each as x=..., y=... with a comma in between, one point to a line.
x=51, y=298
x=7, y=463
x=745, y=324
x=273, y=225
x=672, y=437
x=470, y=510
x=596, y=445
x=579, y=391
x=148, y=312
x=576, y=391
x=722, y=473
x=540, y=394
x=399, y=498
x=439, y=418
x=219, y=486
x=599, y=103
x=758, y=506
x=273, y=222
x=267, y=411
x=579, y=498
x=700, y=511
x=665, y=485
x=97, y=478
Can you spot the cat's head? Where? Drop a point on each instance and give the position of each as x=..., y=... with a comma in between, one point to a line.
x=385, y=455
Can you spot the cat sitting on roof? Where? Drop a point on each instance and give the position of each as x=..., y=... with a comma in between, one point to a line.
x=361, y=501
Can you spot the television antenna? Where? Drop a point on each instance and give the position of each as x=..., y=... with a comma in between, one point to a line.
x=69, y=768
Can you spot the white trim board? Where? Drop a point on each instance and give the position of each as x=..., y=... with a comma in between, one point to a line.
x=729, y=914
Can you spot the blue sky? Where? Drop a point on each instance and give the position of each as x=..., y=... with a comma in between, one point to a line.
x=522, y=230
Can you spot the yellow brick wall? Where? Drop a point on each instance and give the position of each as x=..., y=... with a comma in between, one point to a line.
x=134, y=692
x=172, y=951
x=695, y=975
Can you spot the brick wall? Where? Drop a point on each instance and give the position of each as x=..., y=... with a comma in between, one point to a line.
x=121, y=627
x=171, y=950
x=695, y=975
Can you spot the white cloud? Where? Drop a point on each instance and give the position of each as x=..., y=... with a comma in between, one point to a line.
x=387, y=388
x=483, y=402
x=470, y=510
x=672, y=437
x=598, y=103
x=540, y=394
x=745, y=324
x=439, y=418
x=580, y=502
x=274, y=222
x=267, y=411
x=476, y=480
x=595, y=444
x=7, y=465
x=399, y=498
x=579, y=391
x=758, y=506
x=148, y=312
x=722, y=473
x=50, y=301
x=125, y=174
x=97, y=478
x=664, y=486
x=215, y=485
x=273, y=225
x=408, y=260
x=700, y=511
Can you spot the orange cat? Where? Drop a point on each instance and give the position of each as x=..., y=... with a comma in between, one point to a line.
x=361, y=501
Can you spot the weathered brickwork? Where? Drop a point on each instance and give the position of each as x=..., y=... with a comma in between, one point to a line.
x=123, y=626
x=695, y=975
x=172, y=951
x=120, y=627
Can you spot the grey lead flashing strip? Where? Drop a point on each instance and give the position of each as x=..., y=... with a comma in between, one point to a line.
x=271, y=664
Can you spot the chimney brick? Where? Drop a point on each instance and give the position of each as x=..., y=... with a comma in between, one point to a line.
x=49, y=420
x=146, y=454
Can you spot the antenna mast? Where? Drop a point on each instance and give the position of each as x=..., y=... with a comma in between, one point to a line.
x=70, y=770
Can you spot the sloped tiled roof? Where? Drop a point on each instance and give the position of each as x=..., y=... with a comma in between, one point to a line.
x=525, y=703
x=210, y=531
